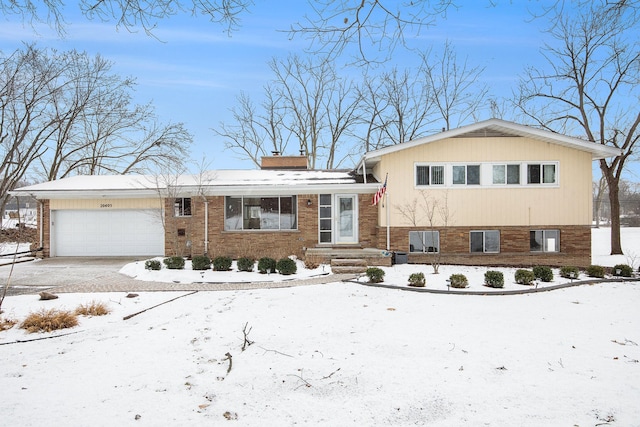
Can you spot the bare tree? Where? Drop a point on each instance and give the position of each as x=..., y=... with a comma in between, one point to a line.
x=129, y=14
x=307, y=103
x=28, y=87
x=374, y=27
x=64, y=113
x=371, y=119
x=433, y=214
x=254, y=133
x=591, y=85
x=457, y=94
x=599, y=190
x=410, y=106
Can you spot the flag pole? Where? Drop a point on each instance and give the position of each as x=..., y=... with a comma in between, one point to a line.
x=387, y=201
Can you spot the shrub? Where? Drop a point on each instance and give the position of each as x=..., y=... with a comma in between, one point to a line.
x=266, y=265
x=174, y=262
x=201, y=262
x=375, y=274
x=222, y=263
x=6, y=323
x=93, y=309
x=286, y=266
x=595, y=271
x=49, y=320
x=245, y=264
x=417, y=280
x=458, y=281
x=310, y=264
x=524, y=277
x=625, y=270
x=494, y=279
x=543, y=273
x=152, y=264
x=569, y=272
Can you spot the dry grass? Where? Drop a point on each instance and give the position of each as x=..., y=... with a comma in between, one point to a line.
x=93, y=309
x=49, y=320
x=6, y=323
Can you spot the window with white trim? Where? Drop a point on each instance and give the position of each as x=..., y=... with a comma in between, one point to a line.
x=424, y=241
x=466, y=174
x=182, y=206
x=260, y=213
x=325, y=218
x=484, y=241
x=429, y=175
x=541, y=173
x=544, y=240
x=508, y=174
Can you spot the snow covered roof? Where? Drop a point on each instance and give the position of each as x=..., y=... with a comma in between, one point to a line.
x=219, y=182
x=499, y=128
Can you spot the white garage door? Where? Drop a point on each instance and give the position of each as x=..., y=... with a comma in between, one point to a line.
x=107, y=233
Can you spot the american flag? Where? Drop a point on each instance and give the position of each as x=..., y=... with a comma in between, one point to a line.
x=378, y=196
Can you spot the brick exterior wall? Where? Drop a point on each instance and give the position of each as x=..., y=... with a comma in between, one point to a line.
x=44, y=227
x=575, y=241
x=255, y=243
x=575, y=246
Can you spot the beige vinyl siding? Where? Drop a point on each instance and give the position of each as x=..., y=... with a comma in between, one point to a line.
x=567, y=203
x=104, y=204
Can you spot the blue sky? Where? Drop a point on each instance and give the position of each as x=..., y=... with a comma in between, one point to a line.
x=193, y=73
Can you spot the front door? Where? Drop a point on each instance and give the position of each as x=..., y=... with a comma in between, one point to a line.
x=346, y=219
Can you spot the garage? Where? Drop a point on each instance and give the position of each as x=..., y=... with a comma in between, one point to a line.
x=125, y=232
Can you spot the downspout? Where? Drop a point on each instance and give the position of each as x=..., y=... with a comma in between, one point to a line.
x=364, y=171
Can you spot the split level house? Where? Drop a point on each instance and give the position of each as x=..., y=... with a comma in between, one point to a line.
x=491, y=193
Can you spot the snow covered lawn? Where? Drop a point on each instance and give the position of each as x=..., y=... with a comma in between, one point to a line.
x=335, y=354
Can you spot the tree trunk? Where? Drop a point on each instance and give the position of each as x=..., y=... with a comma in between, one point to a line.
x=616, y=247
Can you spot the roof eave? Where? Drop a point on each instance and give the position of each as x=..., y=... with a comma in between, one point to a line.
x=192, y=191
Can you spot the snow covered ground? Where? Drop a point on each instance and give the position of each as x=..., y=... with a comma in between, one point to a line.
x=335, y=354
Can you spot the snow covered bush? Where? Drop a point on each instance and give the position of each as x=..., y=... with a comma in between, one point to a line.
x=375, y=274
x=595, y=271
x=417, y=280
x=524, y=277
x=569, y=272
x=494, y=279
x=458, y=281
x=543, y=273
x=266, y=265
x=286, y=266
x=622, y=270
x=174, y=262
x=245, y=264
x=201, y=262
x=152, y=264
x=222, y=263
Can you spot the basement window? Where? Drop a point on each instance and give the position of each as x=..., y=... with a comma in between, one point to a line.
x=485, y=241
x=544, y=240
x=424, y=241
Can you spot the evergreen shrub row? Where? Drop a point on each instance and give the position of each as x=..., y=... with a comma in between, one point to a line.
x=284, y=266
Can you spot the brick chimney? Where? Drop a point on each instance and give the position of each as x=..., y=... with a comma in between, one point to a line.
x=277, y=161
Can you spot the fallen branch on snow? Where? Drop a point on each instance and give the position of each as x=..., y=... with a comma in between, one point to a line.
x=158, y=305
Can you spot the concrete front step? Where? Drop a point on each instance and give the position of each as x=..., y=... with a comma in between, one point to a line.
x=363, y=256
x=348, y=265
x=348, y=262
x=348, y=269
